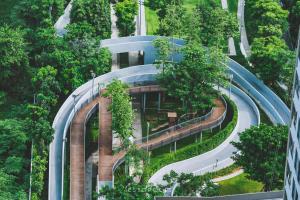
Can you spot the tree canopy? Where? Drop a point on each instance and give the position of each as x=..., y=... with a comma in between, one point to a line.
x=262, y=154
x=192, y=79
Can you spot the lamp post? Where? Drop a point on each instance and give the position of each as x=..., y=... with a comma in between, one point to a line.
x=74, y=102
x=93, y=76
x=148, y=129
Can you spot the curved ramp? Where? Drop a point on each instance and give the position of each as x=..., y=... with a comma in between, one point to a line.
x=254, y=87
x=219, y=157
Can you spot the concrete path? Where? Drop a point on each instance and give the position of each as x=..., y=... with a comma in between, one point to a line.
x=219, y=157
x=63, y=20
x=244, y=45
x=229, y=176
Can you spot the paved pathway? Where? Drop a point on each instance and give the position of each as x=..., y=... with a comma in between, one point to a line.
x=219, y=157
x=77, y=157
x=244, y=45
x=165, y=138
x=229, y=176
x=63, y=20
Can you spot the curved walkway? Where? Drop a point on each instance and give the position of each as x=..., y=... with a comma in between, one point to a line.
x=269, y=101
x=244, y=45
x=77, y=152
x=108, y=162
x=219, y=157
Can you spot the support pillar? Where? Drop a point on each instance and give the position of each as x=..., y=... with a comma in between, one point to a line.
x=175, y=146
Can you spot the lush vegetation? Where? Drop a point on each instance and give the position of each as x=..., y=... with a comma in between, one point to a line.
x=126, y=11
x=121, y=109
x=38, y=70
x=94, y=12
x=262, y=154
x=191, y=150
x=190, y=185
x=267, y=27
x=239, y=185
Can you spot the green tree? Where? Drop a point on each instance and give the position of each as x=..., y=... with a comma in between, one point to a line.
x=131, y=190
x=13, y=139
x=9, y=188
x=294, y=19
x=216, y=25
x=269, y=56
x=46, y=86
x=164, y=50
x=122, y=113
x=190, y=185
x=192, y=79
x=46, y=12
x=172, y=23
x=262, y=154
x=38, y=126
x=161, y=6
x=94, y=12
x=126, y=12
x=13, y=58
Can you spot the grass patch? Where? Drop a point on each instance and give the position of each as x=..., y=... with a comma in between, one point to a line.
x=239, y=185
x=232, y=6
x=152, y=21
x=192, y=149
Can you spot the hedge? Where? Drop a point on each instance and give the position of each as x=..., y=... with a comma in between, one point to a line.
x=193, y=149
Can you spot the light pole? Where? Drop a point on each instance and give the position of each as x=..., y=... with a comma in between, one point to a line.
x=230, y=78
x=148, y=129
x=74, y=102
x=93, y=76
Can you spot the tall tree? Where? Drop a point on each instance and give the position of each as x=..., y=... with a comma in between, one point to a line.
x=269, y=56
x=94, y=12
x=172, y=23
x=262, y=154
x=13, y=59
x=192, y=79
x=46, y=86
x=122, y=113
x=216, y=25
x=126, y=12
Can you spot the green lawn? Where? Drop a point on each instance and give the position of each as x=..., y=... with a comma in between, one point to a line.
x=6, y=9
x=152, y=21
x=232, y=6
x=239, y=185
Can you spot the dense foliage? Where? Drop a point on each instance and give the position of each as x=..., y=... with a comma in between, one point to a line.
x=38, y=70
x=122, y=113
x=131, y=190
x=267, y=23
x=190, y=185
x=262, y=154
x=94, y=12
x=126, y=12
x=192, y=80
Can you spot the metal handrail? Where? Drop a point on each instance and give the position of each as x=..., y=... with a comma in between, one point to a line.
x=188, y=132
x=179, y=126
